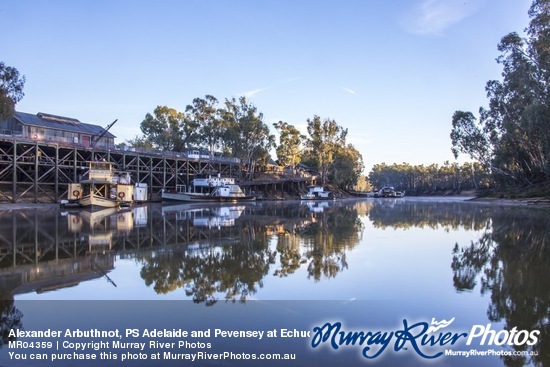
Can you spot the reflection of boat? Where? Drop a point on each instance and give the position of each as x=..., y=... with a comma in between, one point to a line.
x=121, y=219
x=389, y=192
x=316, y=206
x=102, y=225
x=204, y=215
x=208, y=188
x=317, y=193
x=104, y=187
x=219, y=217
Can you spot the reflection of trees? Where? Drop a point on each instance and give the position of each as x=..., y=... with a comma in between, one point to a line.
x=512, y=263
x=290, y=258
x=469, y=261
x=235, y=269
x=325, y=241
x=397, y=213
x=10, y=317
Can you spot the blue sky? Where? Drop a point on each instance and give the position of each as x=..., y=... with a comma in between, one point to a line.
x=392, y=72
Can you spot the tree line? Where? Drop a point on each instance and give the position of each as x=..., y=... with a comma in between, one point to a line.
x=420, y=179
x=511, y=137
x=237, y=129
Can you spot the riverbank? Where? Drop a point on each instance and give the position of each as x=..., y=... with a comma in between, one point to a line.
x=19, y=206
x=539, y=202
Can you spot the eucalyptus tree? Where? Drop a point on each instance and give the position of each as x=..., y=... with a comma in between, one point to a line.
x=290, y=143
x=205, y=115
x=325, y=138
x=421, y=179
x=246, y=134
x=140, y=142
x=168, y=129
x=347, y=167
x=512, y=136
x=11, y=89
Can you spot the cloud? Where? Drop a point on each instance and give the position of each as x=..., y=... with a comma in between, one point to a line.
x=253, y=92
x=433, y=17
x=350, y=91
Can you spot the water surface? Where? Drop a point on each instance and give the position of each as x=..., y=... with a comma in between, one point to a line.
x=430, y=257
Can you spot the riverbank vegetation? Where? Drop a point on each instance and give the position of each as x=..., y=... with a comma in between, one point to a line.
x=236, y=129
x=511, y=137
x=450, y=178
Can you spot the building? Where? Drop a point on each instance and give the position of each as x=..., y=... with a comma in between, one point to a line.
x=44, y=127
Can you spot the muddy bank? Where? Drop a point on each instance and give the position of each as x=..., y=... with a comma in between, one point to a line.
x=539, y=202
x=19, y=206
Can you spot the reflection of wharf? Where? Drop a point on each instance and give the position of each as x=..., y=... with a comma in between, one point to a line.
x=55, y=274
x=42, y=250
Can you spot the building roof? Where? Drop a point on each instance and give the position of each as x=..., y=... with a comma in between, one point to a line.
x=60, y=123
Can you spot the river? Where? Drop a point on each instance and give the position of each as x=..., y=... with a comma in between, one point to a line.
x=404, y=260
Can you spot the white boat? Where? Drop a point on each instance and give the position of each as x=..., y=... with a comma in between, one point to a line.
x=103, y=188
x=317, y=193
x=389, y=192
x=208, y=189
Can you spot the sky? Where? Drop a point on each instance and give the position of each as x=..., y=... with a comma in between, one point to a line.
x=392, y=72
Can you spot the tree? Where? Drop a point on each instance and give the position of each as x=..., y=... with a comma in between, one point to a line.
x=247, y=135
x=290, y=143
x=512, y=136
x=168, y=129
x=468, y=137
x=11, y=89
x=347, y=167
x=325, y=138
x=420, y=179
x=140, y=142
x=206, y=117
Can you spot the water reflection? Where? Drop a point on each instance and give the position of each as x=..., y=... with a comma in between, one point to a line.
x=325, y=242
x=213, y=251
x=227, y=252
x=510, y=261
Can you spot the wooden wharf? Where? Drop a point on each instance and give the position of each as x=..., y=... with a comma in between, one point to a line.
x=40, y=171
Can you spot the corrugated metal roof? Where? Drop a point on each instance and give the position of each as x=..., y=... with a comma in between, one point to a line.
x=60, y=123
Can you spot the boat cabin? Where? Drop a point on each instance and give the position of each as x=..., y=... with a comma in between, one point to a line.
x=101, y=171
x=212, y=181
x=317, y=192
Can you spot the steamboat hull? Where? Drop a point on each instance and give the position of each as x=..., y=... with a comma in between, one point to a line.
x=192, y=197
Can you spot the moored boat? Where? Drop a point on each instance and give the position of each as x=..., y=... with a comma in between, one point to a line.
x=389, y=192
x=208, y=189
x=102, y=188
x=317, y=193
